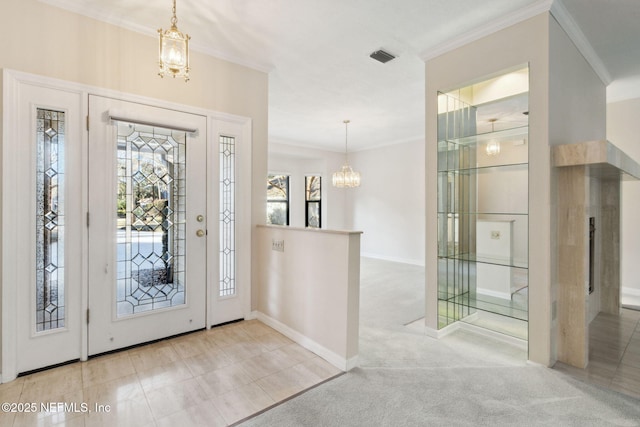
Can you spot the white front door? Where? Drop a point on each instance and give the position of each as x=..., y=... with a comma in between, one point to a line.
x=145, y=220
x=147, y=223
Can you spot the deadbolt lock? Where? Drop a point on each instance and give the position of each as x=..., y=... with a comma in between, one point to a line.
x=200, y=233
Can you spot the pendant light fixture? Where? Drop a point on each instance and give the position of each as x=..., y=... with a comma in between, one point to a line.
x=346, y=177
x=493, y=146
x=174, y=50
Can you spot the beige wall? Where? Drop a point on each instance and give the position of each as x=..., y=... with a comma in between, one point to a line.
x=566, y=104
x=515, y=46
x=64, y=45
x=577, y=113
x=310, y=291
x=622, y=130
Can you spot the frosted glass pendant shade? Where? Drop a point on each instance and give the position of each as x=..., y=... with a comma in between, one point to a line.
x=493, y=148
x=346, y=177
x=174, y=51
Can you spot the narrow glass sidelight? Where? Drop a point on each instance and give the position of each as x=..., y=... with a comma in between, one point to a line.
x=150, y=226
x=227, y=217
x=50, y=230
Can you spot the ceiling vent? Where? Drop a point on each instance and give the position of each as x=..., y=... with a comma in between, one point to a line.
x=382, y=56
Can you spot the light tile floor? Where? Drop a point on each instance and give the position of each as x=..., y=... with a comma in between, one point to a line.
x=208, y=378
x=614, y=353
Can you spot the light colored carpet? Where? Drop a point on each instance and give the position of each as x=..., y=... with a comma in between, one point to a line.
x=408, y=379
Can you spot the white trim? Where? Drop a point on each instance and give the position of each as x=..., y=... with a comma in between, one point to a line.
x=555, y=8
x=520, y=343
x=632, y=292
x=10, y=97
x=9, y=232
x=490, y=28
x=538, y=365
x=82, y=8
x=442, y=332
x=495, y=294
x=306, y=342
x=418, y=262
x=50, y=82
x=569, y=25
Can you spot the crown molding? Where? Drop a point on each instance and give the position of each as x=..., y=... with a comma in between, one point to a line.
x=498, y=24
x=555, y=8
x=569, y=25
x=100, y=15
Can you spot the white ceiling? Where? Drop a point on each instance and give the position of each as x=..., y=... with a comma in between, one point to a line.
x=317, y=53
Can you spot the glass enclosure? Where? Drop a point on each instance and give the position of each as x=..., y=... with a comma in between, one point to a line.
x=483, y=228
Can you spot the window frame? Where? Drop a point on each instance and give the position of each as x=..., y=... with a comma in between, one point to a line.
x=308, y=201
x=285, y=202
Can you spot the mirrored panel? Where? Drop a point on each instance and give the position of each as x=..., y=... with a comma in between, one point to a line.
x=483, y=227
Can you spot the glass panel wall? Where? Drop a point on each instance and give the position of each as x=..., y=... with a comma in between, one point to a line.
x=483, y=205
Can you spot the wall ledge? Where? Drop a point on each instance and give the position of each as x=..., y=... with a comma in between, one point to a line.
x=309, y=230
x=603, y=159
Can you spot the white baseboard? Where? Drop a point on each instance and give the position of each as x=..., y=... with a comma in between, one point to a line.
x=632, y=292
x=306, y=342
x=442, y=332
x=495, y=294
x=523, y=344
x=418, y=262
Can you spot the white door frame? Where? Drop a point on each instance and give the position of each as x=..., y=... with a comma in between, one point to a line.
x=11, y=82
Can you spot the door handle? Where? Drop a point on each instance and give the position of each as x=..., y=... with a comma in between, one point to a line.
x=200, y=233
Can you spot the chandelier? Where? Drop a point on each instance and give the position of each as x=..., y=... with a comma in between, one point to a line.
x=493, y=146
x=346, y=177
x=174, y=50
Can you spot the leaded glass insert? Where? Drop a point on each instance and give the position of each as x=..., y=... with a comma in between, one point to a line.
x=150, y=229
x=50, y=188
x=227, y=216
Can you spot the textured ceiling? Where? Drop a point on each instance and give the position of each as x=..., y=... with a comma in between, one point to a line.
x=317, y=53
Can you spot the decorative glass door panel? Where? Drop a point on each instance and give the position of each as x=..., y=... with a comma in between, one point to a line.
x=50, y=189
x=147, y=233
x=227, y=217
x=150, y=228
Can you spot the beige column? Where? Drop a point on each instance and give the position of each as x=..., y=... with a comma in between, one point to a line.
x=573, y=272
x=610, y=246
